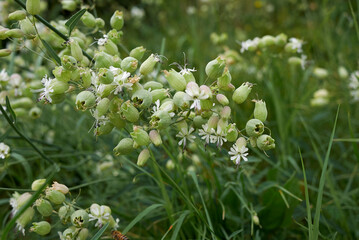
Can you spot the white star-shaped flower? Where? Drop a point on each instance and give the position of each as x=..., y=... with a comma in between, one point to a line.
x=238, y=154
x=121, y=82
x=102, y=41
x=185, y=134
x=46, y=90
x=207, y=134
x=4, y=150
x=99, y=214
x=296, y=44
x=195, y=94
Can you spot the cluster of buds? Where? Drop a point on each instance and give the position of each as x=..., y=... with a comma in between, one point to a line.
x=52, y=203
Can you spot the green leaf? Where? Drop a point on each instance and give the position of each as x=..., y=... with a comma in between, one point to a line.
x=140, y=216
x=9, y=108
x=51, y=52
x=100, y=232
x=179, y=224
x=72, y=22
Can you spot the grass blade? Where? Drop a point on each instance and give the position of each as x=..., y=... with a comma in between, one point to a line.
x=51, y=52
x=179, y=225
x=140, y=216
x=9, y=108
x=100, y=232
x=72, y=22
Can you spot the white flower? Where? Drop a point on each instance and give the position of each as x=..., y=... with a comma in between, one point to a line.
x=137, y=12
x=121, y=82
x=207, y=134
x=296, y=44
x=116, y=71
x=195, y=94
x=13, y=203
x=102, y=41
x=238, y=154
x=47, y=90
x=245, y=45
x=304, y=61
x=99, y=213
x=185, y=134
x=187, y=70
x=220, y=136
x=4, y=77
x=354, y=80
x=4, y=150
x=157, y=106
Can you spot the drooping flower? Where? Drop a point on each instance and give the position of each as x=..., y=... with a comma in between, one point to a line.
x=207, y=134
x=238, y=153
x=297, y=44
x=220, y=136
x=195, y=94
x=46, y=90
x=185, y=134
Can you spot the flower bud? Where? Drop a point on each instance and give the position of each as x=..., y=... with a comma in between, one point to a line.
x=241, y=142
x=125, y=146
x=129, y=64
x=80, y=218
x=199, y=121
x=253, y=141
x=69, y=5
x=222, y=99
x=155, y=137
x=343, y=73
x=116, y=20
x=102, y=107
x=103, y=60
x=83, y=234
x=320, y=72
x=176, y=80
x=115, y=36
x=232, y=132
x=267, y=41
x=140, y=136
x=215, y=68
x=42, y=228
x=160, y=119
x=85, y=100
x=35, y=113
x=225, y=79
x=241, y=93
x=111, y=48
x=69, y=233
x=60, y=187
x=129, y=112
x=105, y=76
x=170, y=165
x=142, y=99
x=76, y=50
x=159, y=94
x=226, y=112
x=44, y=207
x=213, y=121
x=260, y=110
x=152, y=85
x=17, y=15
x=143, y=157
x=148, y=65
x=138, y=52
x=26, y=217
x=295, y=61
x=180, y=101
x=100, y=23
x=188, y=76
x=33, y=6
x=65, y=213
x=255, y=219
x=254, y=127
x=281, y=40
x=56, y=197
x=265, y=142
x=88, y=20
x=5, y=52
x=37, y=184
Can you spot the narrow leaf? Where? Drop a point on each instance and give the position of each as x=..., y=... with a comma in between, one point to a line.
x=72, y=22
x=179, y=225
x=9, y=108
x=100, y=232
x=51, y=52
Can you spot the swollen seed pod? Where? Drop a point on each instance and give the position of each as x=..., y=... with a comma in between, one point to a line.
x=320, y=72
x=35, y=113
x=69, y=62
x=69, y=233
x=129, y=112
x=26, y=217
x=160, y=119
x=152, y=85
x=138, y=52
x=225, y=79
x=33, y=6
x=117, y=120
x=83, y=234
x=155, y=137
x=85, y=100
x=111, y=48
x=254, y=127
x=115, y=36
x=140, y=136
x=88, y=20
x=241, y=93
x=265, y=142
x=222, y=99
x=42, y=228
x=143, y=157
x=5, y=52
x=159, y=94
x=44, y=207
x=125, y=146
x=267, y=41
x=149, y=64
x=104, y=128
x=343, y=73
x=60, y=187
x=180, y=101
x=15, y=33
x=69, y=5
x=170, y=165
x=102, y=107
x=23, y=102
x=56, y=197
x=103, y=60
x=17, y=15
x=37, y=184
x=105, y=76
x=100, y=23
x=117, y=21
x=142, y=99
x=281, y=40
x=295, y=61
x=215, y=68
x=62, y=74
x=85, y=76
x=129, y=64
x=188, y=75
x=176, y=80
x=80, y=218
x=65, y=213
x=76, y=50
x=260, y=110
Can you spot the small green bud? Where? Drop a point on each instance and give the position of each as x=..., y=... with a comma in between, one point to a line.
x=149, y=64
x=260, y=110
x=111, y=48
x=222, y=99
x=281, y=40
x=138, y=52
x=129, y=112
x=76, y=50
x=224, y=80
x=320, y=73
x=85, y=100
x=170, y=165
x=100, y=23
x=254, y=127
x=27, y=28
x=33, y=6
x=105, y=76
x=69, y=5
x=37, y=184
x=241, y=142
x=69, y=233
x=188, y=75
x=213, y=121
x=103, y=60
x=80, y=218
x=180, y=101
x=232, y=132
x=5, y=52
x=142, y=98
x=65, y=213
x=125, y=146
x=241, y=93
x=88, y=20
x=143, y=157
x=115, y=36
x=129, y=64
x=155, y=137
x=57, y=98
x=215, y=68
x=226, y=112
x=176, y=80
x=42, y=228
x=295, y=61
x=117, y=21
x=17, y=15
x=140, y=136
x=44, y=207
x=159, y=94
x=152, y=85
x=343, y=73
x=56, y=197
x=255, y=219
x=104, y=128
x=265, y=142
x=83, y=234
x=267, y=41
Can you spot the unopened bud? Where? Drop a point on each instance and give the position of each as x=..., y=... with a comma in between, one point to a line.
x=76, y=50
x=37, y=184
x=176, y=80
x=143, y=157
x=56, y=197
x=5, y=52
x=155, y=137
x=215, y=68
x=138, y=52
x=17, y=15
x=129, y=64
x=60, y=187
x=125, y=146
x=44, y=207
x=42, y=228
x=117, y=21
x=241, y=93
x=260, y=110
x=88, y=20
x=222, y=99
